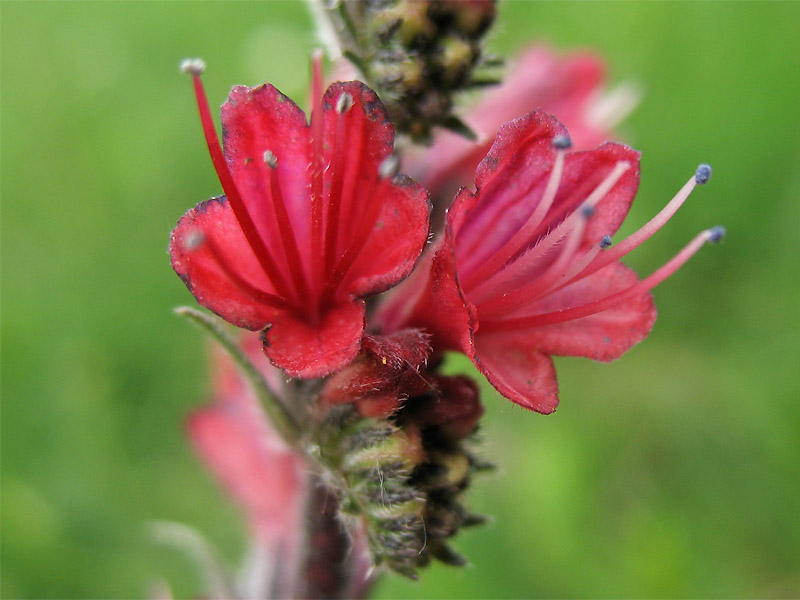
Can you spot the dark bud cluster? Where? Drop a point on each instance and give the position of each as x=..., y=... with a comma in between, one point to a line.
x=399, y=451
x=418, y=55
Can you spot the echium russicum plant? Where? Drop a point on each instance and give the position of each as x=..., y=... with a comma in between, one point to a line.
x=332, y=424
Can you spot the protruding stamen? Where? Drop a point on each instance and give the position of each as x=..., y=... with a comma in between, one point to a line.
x=235, y=200
x=389, y=167
x=587, y=211
x=270, y=159
x=703, y=174
x=643, y=234
x=605, y=242
x=193, y=66
x=562, y=142
x=591, y=308
x=535, y=254
x=344, y=103
x=196, y=239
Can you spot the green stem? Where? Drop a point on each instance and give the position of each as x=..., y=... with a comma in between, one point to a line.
x=280, y=417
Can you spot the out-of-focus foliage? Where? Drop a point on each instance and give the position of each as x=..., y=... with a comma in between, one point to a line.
x=674, y=472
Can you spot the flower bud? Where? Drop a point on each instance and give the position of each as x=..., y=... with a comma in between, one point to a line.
x=417, y=54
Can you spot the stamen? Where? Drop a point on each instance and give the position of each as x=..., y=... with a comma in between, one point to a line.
x=582, y=263
x=591, y=308
x=285, y=227
x=262, y=253
x=389, y=167
x=193, y=240
x=536, y=288
x=530, y=258
x=522, y=237
x=193, y=66
x=562, y=142
x=716, y=235
x=702, y=174
x=358, y=240
x=270, y=159
x=337, y=167
x=344, y=103
x=196, y=239
x=317, y=159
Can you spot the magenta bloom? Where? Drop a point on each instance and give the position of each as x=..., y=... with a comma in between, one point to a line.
x=567, y=86
x=524, y=269
x=313, y=220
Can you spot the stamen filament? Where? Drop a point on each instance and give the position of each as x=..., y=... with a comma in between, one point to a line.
x=646, y=232
x=528, y=293
x=591, y=308
x=317, y=159
x=517, y=268
x=357, y=242
x=238, y=206
x=287, y=233
x=524, y=233
x=334, y=207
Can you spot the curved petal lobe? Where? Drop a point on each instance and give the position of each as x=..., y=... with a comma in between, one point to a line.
x=604, y=336
x=517, y=370
x=309, y=351
x=202, y=273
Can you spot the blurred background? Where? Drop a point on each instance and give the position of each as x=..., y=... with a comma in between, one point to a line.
x=674, y=472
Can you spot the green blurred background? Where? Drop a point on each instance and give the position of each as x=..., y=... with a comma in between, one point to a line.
x=674, y=472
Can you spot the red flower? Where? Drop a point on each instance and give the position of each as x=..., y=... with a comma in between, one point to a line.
x=525, y=271
x=273, y=485
x=313, y=220
x=267, y=479
x=569, y=87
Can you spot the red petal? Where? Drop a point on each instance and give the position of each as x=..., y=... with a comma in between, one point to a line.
x=397, y=240
x=431, y=300
x=604, y=336
x=517, y=370
x=510, y=182
x=202, y=274
x=383, y=223
x=255, y=120
x=310, y=351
